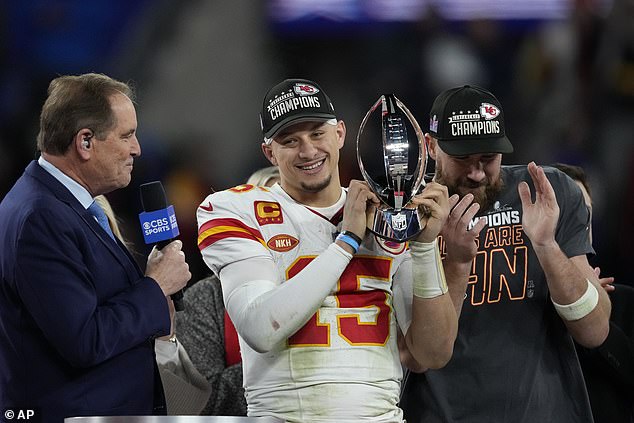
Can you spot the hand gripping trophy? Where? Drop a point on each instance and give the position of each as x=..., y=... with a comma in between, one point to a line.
x=400, y=175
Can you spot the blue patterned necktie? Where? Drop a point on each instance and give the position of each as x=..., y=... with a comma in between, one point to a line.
x=96, y=210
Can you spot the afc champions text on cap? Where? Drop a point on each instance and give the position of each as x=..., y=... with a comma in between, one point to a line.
x=469, y=120
x=293, y=101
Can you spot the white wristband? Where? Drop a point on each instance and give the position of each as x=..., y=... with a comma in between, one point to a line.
x=427, y=271
x=580, y=308
x=343, y=252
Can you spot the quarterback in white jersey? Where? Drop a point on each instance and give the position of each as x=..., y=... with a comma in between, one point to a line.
x=324, y=311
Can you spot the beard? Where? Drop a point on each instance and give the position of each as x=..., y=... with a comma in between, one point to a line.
x=316, y=186
x=485, y=193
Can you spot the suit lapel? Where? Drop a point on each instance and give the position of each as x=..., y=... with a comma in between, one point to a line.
x=117, y=249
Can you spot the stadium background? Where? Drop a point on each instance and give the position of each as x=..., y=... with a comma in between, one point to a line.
x=563, y=70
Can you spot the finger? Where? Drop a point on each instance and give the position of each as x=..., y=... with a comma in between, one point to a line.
x=443, y=200
x=525, y=194
x=365, y=196
x=437, y=194
x=372, y=197
x=356, y=184
x=453, y=200
x=533, y=171
x=480, y=224
x=462, y=205
x=597, y=271
x=431, y=208
x=470, y=213
x=434, y=187
x=606, y=281
x=155, y=253
x=542, y=184
x=353, y=188
x=462, y=223
x=532, y=167
x=177, y=245
x=357, y=188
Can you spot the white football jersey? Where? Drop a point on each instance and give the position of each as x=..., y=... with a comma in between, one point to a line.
x=343, y=364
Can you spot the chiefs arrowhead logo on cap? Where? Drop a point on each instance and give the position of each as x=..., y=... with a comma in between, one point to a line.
x=489, y=111
x=305, y=89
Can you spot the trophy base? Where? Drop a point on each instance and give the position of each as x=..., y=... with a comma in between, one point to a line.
x=399, y=226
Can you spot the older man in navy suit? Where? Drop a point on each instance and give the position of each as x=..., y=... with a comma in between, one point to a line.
x=78, y=317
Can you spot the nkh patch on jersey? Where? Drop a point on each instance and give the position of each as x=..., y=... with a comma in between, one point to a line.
x=282, y=243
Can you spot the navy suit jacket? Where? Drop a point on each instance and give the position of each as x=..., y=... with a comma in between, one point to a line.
x=77, y=317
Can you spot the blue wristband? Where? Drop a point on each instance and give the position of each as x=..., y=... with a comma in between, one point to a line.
x=353, y=236
x=348, y=240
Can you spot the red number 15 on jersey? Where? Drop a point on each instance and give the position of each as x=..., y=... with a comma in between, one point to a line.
x=349, y=326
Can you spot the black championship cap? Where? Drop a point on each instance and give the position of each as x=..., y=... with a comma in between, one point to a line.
x=293, y=101
x=468, y=120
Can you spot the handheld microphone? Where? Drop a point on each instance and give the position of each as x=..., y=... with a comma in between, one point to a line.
x=158, y=222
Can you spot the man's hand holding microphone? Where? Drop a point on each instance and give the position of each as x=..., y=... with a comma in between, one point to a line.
x=166, y=263
x=168, y=267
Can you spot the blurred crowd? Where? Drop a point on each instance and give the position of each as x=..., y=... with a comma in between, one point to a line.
x=201, y=68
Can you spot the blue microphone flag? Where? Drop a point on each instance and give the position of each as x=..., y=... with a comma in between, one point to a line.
x=159, y=225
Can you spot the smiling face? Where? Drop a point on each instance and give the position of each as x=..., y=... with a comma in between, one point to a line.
x=307, y=155
x=112, y=157
x=478, y=174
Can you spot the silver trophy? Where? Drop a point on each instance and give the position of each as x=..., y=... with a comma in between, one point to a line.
x=400, y=175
